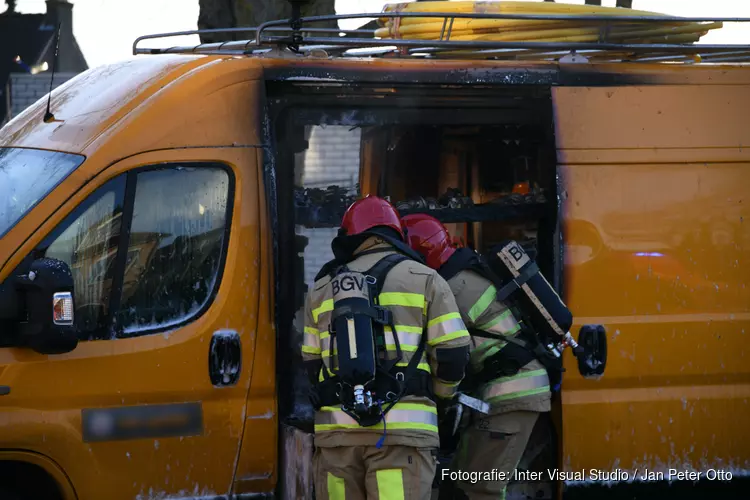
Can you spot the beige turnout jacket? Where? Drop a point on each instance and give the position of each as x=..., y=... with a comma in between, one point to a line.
x=422, y=304
x=527, y=390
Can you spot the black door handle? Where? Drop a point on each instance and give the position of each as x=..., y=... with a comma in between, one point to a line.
x=4, y=390
x=592, y=340
x=224, y=358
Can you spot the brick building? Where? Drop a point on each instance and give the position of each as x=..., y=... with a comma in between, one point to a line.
x=332, y=158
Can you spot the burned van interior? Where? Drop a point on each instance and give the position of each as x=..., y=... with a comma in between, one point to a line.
x=482, y=160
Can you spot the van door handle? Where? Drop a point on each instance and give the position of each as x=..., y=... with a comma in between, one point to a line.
x=224, y=358
x=4, y=390
x=592, y=340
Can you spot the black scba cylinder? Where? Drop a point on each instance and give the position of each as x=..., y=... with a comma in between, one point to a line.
x=535, y=298
x=355, y=340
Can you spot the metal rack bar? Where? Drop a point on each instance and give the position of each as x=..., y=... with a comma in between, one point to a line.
x=279, y=33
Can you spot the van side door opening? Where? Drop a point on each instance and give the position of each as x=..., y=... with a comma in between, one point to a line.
x=481, y=159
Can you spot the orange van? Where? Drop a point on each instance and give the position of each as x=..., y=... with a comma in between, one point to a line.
x=160, y=227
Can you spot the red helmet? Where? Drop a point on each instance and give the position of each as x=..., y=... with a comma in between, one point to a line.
x=429, y=237
x=370, y=212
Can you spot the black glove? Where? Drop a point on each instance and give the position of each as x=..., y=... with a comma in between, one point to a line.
x=446, y=419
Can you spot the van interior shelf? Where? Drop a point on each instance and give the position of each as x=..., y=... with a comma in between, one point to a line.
x=482, y=213
x=477, y=213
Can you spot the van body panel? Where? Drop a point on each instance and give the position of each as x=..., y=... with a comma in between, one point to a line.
x=257, y=462
x=655, y=233
x=43, y=412
x=656, y=242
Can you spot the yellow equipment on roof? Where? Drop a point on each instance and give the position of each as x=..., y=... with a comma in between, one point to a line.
x=532, y=30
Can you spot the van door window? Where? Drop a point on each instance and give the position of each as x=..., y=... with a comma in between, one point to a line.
x=87, y=240
x=166, y=270
x=176, y=245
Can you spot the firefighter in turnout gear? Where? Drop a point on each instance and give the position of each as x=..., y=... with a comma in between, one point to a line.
x=509, y=378
x=377, y=394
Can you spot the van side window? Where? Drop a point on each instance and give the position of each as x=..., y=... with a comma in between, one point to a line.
x=87, y=240
x=146, y=249
x=176, y=246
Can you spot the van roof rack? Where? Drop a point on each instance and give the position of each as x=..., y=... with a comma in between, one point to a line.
x=360, y=42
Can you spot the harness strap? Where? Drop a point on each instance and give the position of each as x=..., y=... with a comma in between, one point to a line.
x=514, y=285
x=379, y=271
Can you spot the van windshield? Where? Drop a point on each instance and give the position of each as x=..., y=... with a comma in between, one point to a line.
x=27, y=176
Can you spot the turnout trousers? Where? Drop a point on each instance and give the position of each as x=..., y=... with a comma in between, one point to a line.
x=492, y=442
x=368, y=473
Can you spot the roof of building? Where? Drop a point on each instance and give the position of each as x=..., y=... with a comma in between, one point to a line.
x=25, y=35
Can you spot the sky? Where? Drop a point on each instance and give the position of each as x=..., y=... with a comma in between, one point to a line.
x=106, y=29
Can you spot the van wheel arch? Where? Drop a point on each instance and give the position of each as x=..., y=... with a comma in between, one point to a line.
x=21, y=480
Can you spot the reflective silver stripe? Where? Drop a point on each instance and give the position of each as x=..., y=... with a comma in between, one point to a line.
x=409, y=341
x=445, y=327
x=311, y=340
x=523, y=384
x=506, y=325
x=425, y=415
x=325, y=342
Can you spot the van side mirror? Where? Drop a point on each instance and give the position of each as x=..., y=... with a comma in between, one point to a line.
x=46, y=295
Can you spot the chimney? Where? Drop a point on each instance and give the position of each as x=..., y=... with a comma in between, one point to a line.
x=60, y=11
x=70, y=58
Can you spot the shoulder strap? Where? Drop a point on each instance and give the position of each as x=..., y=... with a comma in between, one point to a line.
x=381, y=269
x=515, y=284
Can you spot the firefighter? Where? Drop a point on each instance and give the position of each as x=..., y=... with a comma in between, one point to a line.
x=376, y=436
x=507, y=377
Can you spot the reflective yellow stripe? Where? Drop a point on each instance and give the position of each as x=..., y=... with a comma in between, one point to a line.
x=405, y=328
x=326, y=306
x=401, y=299
x=312, y=331
x=517, y=386
x=444, y=328
x=450, y=336
x=483, y=303
x=504, y=324
x=442, y=318
x=390, y=484
x=405, y=415
x=336, y=489
x=401, y=416
x=420, y=366
x=310, y=350
x=379, y=427
x=397, y=406
x=444, y=390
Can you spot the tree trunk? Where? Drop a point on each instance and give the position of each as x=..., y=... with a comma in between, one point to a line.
x=251, y=13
